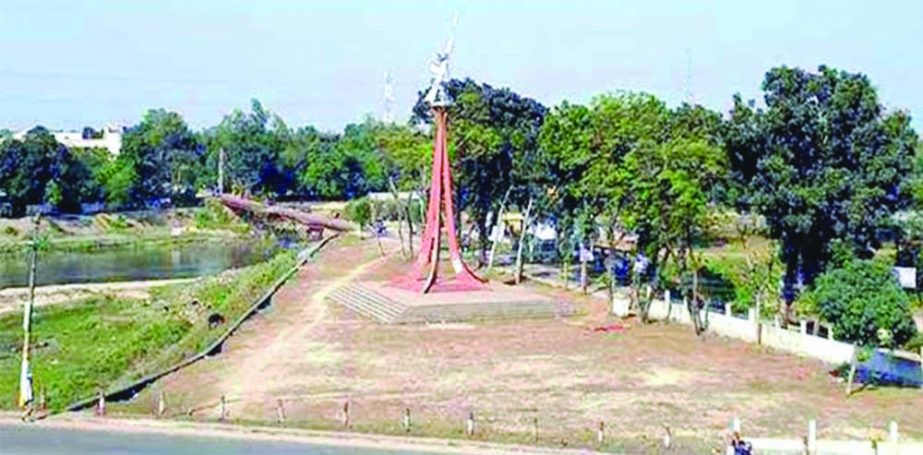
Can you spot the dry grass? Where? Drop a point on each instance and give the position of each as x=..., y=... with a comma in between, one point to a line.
x=508, y=373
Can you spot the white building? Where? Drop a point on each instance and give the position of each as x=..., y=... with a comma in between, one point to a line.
x=111, y=139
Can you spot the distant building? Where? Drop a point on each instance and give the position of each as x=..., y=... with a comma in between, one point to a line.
x=110, y=139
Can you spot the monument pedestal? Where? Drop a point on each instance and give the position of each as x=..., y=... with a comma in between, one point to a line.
x=394, y=305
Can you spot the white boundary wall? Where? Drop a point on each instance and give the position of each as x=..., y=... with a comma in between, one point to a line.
x=800, y=343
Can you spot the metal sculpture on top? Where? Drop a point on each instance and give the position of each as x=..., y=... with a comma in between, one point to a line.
x=440, y=214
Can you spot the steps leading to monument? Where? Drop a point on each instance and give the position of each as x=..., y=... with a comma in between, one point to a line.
x=392, y=305
x=369, y=304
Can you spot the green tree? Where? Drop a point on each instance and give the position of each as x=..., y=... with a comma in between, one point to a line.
x=348, y=168
x=30, y=166
x=252, y=146
x=164, y=158
x=359, y=211
x=865, y=304
x=824, y=160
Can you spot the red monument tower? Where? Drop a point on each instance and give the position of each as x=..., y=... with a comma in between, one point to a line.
x=440, y=213
x=418, y=297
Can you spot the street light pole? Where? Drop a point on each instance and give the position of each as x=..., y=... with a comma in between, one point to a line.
x=25, y=375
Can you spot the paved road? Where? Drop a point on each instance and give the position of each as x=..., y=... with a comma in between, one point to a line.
x=19, y=439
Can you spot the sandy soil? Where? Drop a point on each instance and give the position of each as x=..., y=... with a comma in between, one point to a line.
x=560, y=374
x=11, y=299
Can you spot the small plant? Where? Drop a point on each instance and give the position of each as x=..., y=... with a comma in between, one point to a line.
x=10, y=231
x=359, y=211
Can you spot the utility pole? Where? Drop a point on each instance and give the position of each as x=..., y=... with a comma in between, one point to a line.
x=221, y=171
x=25, y=375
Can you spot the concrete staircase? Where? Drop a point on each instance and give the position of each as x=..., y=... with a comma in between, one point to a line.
x=369, y=304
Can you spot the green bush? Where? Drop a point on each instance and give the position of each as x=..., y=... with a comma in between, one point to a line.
x=865, y=304
x=915, y=343
x=214, y=215
x=359, y=211
x=391, y=210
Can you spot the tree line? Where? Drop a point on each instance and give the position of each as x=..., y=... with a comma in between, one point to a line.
x=821, y=160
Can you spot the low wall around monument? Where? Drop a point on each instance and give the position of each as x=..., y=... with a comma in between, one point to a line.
x=724, y=323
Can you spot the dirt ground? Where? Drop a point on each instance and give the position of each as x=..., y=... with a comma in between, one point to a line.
x=557, y=376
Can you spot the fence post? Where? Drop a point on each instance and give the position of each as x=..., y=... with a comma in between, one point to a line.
x=469, y=425
x=162, y=404
x=346, y=414
x=812, y=436
x=280, y=410
x=830, y=332
x=223, y=409
x=727, y=309
x=601, y=433
x=803, y=325
x=406, y=422
x=101, y=404
x=535, y=429
x=42, y=403
x=892, y=434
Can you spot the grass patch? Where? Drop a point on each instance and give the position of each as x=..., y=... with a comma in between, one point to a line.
x=111, y=342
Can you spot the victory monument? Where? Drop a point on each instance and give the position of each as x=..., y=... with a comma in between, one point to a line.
x=426, y=293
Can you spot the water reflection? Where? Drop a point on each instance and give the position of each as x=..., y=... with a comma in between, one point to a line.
x=134, y=263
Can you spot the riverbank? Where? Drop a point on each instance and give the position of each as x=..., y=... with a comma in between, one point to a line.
x=73, y=233
x=107, y=342
x=12, y=298
x=344, y=440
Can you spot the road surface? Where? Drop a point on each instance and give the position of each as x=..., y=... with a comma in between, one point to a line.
x=37, y=440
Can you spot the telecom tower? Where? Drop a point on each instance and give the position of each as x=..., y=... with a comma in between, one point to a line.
x=388, y=115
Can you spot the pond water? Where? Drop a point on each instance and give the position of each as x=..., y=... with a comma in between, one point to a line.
x=131, y=263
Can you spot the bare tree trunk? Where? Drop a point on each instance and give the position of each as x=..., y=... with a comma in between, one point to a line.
x=565, y=273
x=522, y=241
x=409, y=212
x=377, y=235
x=759, y=320
x=400, y=217
x=584, y=279
x=497, y=222
x=610, y=278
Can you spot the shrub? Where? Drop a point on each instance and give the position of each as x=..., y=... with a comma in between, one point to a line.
x=10, y=231
x=359, y=211
x=915, y=343
x=865, y=304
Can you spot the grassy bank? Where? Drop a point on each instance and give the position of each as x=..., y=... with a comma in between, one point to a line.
x=88, y=233
x=108, y=342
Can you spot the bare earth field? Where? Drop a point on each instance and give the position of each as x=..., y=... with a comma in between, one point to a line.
x=508, y=373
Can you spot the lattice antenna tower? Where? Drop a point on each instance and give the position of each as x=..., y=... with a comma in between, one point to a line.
x=687, y=82
x=388, y=115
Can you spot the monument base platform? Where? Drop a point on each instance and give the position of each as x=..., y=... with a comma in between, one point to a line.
x=392, y=305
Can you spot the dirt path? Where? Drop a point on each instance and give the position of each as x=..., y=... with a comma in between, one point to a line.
x=259, y=373
x=263, y=360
